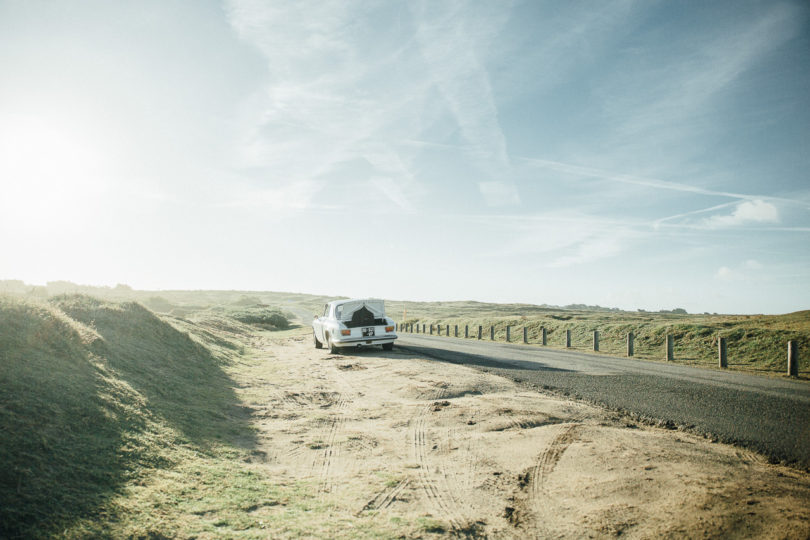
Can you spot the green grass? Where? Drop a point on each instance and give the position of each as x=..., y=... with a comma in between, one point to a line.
x=65, y=421
x=97, y=396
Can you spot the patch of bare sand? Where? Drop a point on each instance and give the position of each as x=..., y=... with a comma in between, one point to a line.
x=432, y=448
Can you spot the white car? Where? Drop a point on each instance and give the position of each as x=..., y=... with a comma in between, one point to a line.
x=354, y=323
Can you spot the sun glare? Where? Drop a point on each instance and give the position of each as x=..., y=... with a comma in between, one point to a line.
x=49, y=174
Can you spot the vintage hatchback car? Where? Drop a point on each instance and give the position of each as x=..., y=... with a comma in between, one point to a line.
x=354, y=323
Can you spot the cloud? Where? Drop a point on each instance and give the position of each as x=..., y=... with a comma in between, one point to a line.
x=749, y=209
x=499, y=193
x=675, y=93
x=351, y=81
x=725, y=273
x=280, y=200
x=563, y=239
x=329, y=98
x=596, y=246
x=450, y=37
x=394, y=193
x=746, y=270
x=601, y=174
x=746, y=213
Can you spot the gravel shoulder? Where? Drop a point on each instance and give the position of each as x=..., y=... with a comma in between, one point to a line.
x=404, y=445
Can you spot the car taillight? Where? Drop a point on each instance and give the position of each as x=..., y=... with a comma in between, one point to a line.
x=345, y=332
x=389, y=328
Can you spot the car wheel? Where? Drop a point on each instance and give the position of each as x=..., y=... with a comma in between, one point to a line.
x=388, y=346
x=332, y=348
x=318, y=344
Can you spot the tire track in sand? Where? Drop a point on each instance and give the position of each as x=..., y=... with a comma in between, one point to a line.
x=332, y=448
x=550, y=457
x=385, y=498
x=434, y=485
x=531, y=510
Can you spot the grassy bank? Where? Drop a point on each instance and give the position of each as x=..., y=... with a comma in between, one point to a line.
x=115, y=422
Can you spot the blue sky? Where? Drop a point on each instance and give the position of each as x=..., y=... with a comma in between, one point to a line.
x=631, y=154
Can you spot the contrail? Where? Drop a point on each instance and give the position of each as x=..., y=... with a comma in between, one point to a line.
x=648, y=182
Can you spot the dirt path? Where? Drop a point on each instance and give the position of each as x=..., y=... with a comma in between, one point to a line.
x=388, y=441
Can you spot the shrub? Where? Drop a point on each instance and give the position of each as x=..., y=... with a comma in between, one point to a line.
x=266, y=317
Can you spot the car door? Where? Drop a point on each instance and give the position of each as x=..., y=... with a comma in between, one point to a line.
x=319, y=323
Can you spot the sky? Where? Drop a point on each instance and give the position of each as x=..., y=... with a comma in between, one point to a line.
x=646, y=154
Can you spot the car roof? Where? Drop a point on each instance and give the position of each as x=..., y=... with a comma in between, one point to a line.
x=347, y=300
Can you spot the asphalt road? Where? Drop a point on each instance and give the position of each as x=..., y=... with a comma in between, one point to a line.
x=768, y=414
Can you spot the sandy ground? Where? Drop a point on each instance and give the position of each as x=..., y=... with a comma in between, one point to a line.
x=467, y=453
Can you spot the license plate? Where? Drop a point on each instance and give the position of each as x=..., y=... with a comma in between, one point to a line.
x=368, y=332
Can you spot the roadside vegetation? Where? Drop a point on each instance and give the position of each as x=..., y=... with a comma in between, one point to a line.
x=264, y=317
x=118, y=422
x=756, y=343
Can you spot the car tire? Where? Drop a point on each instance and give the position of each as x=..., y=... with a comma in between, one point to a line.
x=318, y=344
x=332, y=348
x=388, y=346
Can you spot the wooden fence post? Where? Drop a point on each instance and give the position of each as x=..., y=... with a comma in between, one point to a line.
x=793, y=358
x=721, y=352
x=448, y=331
x=568, y=339
x=466, y=330
x=423, y=328
x=630, y=338
x=543, y=332
x=670, y=347
x=508, y=333
x=596, y=340
x=525, y=335
x=455, y=333
x=492, y=333
x=431, y=329
x=479, y=331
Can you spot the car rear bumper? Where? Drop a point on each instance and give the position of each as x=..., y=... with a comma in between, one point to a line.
x=361, y=341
